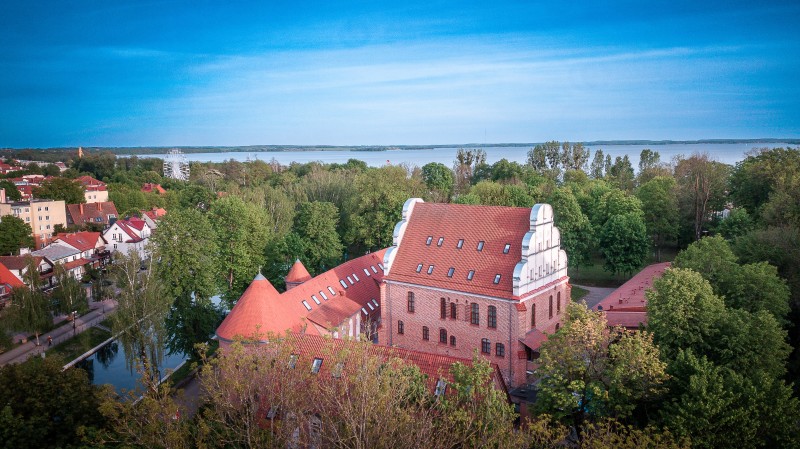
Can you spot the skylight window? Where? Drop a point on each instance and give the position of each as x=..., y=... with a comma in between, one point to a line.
x=316, y=365
x=497, y=279
x=450, y=272
x=344, y=284
x=324, y=296
x=292, y=361
x=337, y=371
x=367, y=272
x=419, y=268
x=350, y=280
x=470, y=275
x=365, y=311
x=333, y=293
x=371, y=307
x=441, y=386
x=480, y=245
x=441, y=240
x=460, y=243
x=356, y=277
x=430, y=239
x=380, y=265
x=373, y=269
x=375, y=302
x=316, y=300
x=430, y=269
x=507, y=248
x=307, y=305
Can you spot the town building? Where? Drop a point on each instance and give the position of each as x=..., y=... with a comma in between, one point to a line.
x=8, y=282
x=125, y=236
x=93, y=190
x=18, y=265
x=91, y=245
x=41, y=215
x=152, y=216
x=463, y=278
x=60, y=253
x=341, y=302
x=101, y=214
x=627, y=305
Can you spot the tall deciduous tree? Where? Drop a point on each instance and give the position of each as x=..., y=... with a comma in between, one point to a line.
x=30, y=309
x=624, y=243
x=62, y=189
x=14, y=234
x=12, y=193
x=315, y=226
x=439, y=180
x=660, y=208
x=242, y=231
x=701, y=189
x=576, y=231
x=69, y=295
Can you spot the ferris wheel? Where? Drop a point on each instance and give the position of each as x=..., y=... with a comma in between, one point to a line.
x=175, y=165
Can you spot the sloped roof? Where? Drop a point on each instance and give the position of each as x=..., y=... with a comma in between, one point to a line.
x=8, y=278
x=124, y=226
x=257, y=312
x=298, y=273
x=136, y=223
x=275, y=312
x=155, y=213
x=90, y=212
x=496, y=226
x=627, y=305
x=152, y=187
x=333, y=313
x=91, y=184
x=76, y=263
x=18, y=262
x=83, y=241
x=56, y=251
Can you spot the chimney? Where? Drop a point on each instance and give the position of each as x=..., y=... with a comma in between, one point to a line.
x=81, y=207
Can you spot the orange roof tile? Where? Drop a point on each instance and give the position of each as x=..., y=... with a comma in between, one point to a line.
x=152, y=187
x=90, y=212
x=76, y=263
x=8, y=278
x=534, y=339
x=298, y=273
x=82, y=241
x=630, y=298
x=333, y=313
x=431, y=223
x=258, y=306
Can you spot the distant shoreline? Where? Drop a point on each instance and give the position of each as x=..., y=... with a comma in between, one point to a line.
x=291, y=148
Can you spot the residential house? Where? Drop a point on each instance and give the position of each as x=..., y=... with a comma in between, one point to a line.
x=129, y=235
x=463, y=278
x=6, y=168
x=41, y=215
x=150, y=187
x=152, y=216
x=8, y=282
x=70, y=258
x=18, y=265
x=94, y=191
x=91, y=245
x=101, y=213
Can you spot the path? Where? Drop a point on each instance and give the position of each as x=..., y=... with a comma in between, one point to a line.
x=595, y=295
x=99, y=311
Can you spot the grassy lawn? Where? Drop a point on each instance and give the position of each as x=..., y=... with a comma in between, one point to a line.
x=578, y=293
x=79, y=344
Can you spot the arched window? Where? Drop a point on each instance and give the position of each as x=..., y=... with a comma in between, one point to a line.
x=558, y=302
x=452, y=340
x=486, y=346
x=551, y=306
x=453, y=311
x=533, y=316
x=411, y=302
x=492, y=317
x=475, y=315
x=425, y=333
x=442, y=336
x=443, y=309
x=500, y=350
x=400, y=328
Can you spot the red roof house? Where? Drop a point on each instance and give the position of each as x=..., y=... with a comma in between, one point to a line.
x=627, y=305
x=91, y=184
x=150, y=187
x=8, y=282
x=100, y=213
x=297, y=275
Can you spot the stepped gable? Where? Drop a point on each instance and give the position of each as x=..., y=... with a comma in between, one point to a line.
x=257, y=312
x=495, y=226
x=297, y=275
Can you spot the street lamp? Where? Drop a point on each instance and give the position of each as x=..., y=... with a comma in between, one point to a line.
x=74, y=324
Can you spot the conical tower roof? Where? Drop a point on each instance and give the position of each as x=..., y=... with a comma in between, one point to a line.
x=257, y=312
x=298, y=273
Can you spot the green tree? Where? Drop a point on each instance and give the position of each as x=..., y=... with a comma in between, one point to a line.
x=589, y=371
x=14, y=234
x=44, y=405
x=621, y=173
x=755, y=287
x=576, y=231
x=660, y=208
x=69, y=295
x=737, y=224
x=60, y=189
x=439, y=180
x=12, y=193
x=598, y=165
x=624, y=243
x=315, y=225
x=29, y=309
x=763, y=177
x=701, y=184
x=242, y=232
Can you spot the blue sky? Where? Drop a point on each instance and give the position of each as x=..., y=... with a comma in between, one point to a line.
x=359, y=73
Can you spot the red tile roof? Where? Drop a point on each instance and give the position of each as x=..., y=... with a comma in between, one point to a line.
x=136, y=223
x=125, y=226
x=8, y=278
x=269, y=311
x=626, y=305
x=91, y=184
x=18, y=262
x=76, y=263
x=82, y=241
x=534, y=339
x=155, y=213
x=90, y=212
x=298, y=273
x=151, y=187
x=496, y=226
x=334, y=312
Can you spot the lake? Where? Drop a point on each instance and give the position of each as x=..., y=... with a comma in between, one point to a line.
x=729, y=153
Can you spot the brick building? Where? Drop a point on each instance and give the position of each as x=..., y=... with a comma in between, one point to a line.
x=462, y=278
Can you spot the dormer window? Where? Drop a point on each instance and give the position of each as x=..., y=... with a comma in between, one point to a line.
x=441, y=240
x=450, y=272
x=350, y=280
x=430, y=269
x=470, y=275
x=480, y=245
x=367, y=272
x=507, y=248
x=430, y=239
x=497, y=279
x=419, y=268
x=373, y=269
